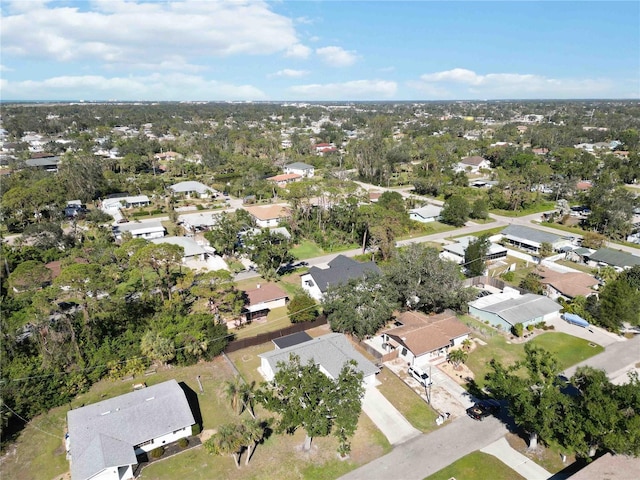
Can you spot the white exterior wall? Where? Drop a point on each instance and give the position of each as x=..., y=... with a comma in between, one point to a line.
x=421, y=219
x=272, y=222
x=165, y=439
x=111, y=473
x=267, y=372
x=459, y=340
x=268, y=305
x=313, y=289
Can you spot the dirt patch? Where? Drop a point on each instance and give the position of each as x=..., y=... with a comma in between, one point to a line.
x=460, y=374
x=207, y=434
x=64, y=476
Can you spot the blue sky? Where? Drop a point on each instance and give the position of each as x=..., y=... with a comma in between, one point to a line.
x=318, y=50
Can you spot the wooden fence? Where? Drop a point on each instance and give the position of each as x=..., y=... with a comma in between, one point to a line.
x=241, y=343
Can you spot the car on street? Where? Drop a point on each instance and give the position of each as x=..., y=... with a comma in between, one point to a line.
x=420, y=375
x=483, y=408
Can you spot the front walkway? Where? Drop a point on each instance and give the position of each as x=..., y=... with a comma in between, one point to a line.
x=386, y=417
x=515, y=460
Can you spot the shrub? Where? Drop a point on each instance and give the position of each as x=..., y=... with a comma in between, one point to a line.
x=199, y=207
x=518, y=329
x=530, y=328
x=508, y=276
x=139, y=214
x=157, y=211
x=195, y=429
x=183, y=443
x=156, y=452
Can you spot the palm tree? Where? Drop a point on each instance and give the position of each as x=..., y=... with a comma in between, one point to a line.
x=457, y=357
x=252, y=433
x=248, y=397
x=228, y=441
x=232, y=392
x=466, y=344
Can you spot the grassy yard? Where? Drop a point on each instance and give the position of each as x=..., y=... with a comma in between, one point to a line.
x=537, y=208
x=476, y=466
x=568, y=349
x=411, y=405
x=575, y=266
x=488, y=231
x=40, y=455
x=307, y=249
x=276, y=319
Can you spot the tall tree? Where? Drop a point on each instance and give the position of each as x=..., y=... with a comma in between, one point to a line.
x=304, y=397
x=302, y=308
x=163, y=259
x=455, y=211
x=359, y=307
x=423, y=281
x=475, y=256
x=269, y=251
x=229, y=440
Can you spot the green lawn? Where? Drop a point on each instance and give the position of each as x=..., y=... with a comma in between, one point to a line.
x=537, y=208
x=409, y=403
x=476, y=466
x=488, y=231
x=568, y=349
x=307, y=249
x=575, y=266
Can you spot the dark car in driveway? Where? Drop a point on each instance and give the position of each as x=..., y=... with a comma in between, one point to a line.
x=483, y=408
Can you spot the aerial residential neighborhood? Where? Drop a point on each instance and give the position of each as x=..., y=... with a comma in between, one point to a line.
x=327, y=240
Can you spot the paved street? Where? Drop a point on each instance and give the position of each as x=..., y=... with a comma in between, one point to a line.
x=426, y=454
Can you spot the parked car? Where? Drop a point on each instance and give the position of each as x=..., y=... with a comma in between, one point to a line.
x=483, y=409
x=420, y=375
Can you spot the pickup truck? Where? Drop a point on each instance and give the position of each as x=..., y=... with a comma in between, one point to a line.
x=483, y=409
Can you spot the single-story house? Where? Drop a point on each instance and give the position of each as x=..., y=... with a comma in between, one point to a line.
x=106, y=437
x=339, y=270
x=456, y=251
x=284, y=179
x=269, y=215
x=614, y=258
x=566, y=285
x=506, y=309
x=198, y=222
x=330, y=352
x=262, y=299
x=291, y=340
x=300, y=168
x=322, y=148
x=192, y=251
x=426, y=214
x=191, y=189
x=48, y=163
x=136, y=201
x=147, y=230
x=419, y=338
x=473, y=164
x=531, y=239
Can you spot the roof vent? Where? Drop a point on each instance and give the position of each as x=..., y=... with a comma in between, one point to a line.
x=106, y=413
x=148, y=399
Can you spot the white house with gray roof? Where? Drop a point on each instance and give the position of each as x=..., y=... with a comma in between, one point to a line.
x=300, y=168
x=191, y=189
x=338, y=271
x=106, y=437
x=426, y=214
x=330, y=352
x=146, y=230
x=506, y=309
x=192, y=251
x=531, y=239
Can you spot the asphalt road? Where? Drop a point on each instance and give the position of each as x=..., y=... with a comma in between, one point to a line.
x=424, y=455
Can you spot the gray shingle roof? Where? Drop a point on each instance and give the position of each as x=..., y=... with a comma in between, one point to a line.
x=100, y=433
x=299, y=166
x=428, y=211
x=341, y=270
x=523, y=308
x=615, y=258
x=531, y=234
x=191, y=248
x=190, y=186
x=330, y=351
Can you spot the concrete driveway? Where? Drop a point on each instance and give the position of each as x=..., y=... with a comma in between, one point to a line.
x=593, y=334
x=390, y=421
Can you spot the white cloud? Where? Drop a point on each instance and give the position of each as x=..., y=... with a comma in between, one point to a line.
x=4, y=68
x=156, y=86
x=354, y=90
x=337, y=56
x=298, y=51
x=117, y=31
x=463, y=83
x=287, y=72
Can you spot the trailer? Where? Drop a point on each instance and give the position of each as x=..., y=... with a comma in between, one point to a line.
x=574, y=319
